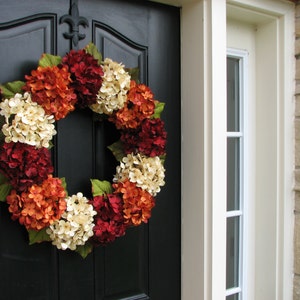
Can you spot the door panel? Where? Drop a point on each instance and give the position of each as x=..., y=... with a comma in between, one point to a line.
x=145, y=263
x=36, y=33
x=110, y=41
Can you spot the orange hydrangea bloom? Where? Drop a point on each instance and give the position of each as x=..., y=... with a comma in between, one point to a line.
x=40, y=206
x=50, y=88
x=137, y=205
x=139, y=106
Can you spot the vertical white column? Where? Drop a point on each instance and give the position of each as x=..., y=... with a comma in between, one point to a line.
x=204, y=150
x=216, y=15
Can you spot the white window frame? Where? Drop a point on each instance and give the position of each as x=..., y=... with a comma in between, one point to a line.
x=242, y=56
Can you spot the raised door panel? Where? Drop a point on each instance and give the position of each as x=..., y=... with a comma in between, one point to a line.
x=25, y=39
x=116, y=46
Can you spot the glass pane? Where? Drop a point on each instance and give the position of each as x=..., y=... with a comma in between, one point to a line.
x=233, y=297
x=233, y=106
x=233, y=252
x=233, y=174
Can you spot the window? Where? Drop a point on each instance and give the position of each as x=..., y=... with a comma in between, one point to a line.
x=235, y=175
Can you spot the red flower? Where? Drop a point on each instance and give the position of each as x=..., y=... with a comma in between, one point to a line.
x=140, y=105
x=109, y=221
x=149, y=138
x=24, y=165
x=138, y=203
x=86, y=75
x=49, y=87
x=40, y=206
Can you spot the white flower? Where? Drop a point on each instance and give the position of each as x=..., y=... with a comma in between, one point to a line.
x=113, y=92
x=75, y=226
x=26, y=121
x=147, y=172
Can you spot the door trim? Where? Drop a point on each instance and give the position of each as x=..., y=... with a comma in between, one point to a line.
x=203, y=34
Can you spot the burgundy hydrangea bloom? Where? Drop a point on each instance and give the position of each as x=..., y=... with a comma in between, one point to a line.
x=149, y=138
x=86, y=75
x=109, y=221
x=24, y=165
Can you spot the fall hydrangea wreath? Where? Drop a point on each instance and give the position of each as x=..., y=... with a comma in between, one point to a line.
x=40, y=201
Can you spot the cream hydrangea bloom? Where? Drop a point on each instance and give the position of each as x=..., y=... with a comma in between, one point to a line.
x=147, y=172
x=114, y=88
x=26, y=121
x=75, y=226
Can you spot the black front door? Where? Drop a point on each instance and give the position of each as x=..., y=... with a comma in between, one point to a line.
x=145, y=263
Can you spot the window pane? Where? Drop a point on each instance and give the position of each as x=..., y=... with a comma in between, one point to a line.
x=233, y=297
x=233, y=107
x=233, y=254
x=233, y=174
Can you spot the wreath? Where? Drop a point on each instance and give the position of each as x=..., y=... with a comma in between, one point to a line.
x=29, y=110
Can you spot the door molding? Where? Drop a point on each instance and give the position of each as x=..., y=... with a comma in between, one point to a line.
x=203, y=33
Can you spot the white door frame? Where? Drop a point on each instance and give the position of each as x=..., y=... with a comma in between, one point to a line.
x=203, y=60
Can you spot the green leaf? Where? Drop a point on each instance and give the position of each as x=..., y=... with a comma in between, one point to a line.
x=51, y=145
x=92, y=49
x=64, y=184
x=5, y=189
x=49, y=60
x=100, y=188
x=117, y=150
x=163, y=159
x=158, y=110
x=134, y=73
x=84, y=250
x=38, y=236
x=9, y=89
